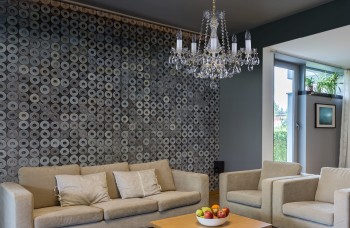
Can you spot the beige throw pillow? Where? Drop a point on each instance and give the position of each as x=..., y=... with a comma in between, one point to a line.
x=137, y=183
x=163, y=173
x=82, y=189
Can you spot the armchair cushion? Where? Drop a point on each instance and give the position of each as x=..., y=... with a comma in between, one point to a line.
x=332, y=179
x=314, y=211
x=247, y=197
x=278, y=169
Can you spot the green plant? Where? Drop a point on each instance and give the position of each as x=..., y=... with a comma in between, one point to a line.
x=309, y=82
x=328, y=83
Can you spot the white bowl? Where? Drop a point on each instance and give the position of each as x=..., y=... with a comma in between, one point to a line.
x=212, y=222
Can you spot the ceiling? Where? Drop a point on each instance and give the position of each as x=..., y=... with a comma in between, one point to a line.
x=330, y=47
x=187, y=14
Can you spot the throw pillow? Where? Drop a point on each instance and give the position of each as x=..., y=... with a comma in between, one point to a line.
x=163, y=173
x=278, y=169
x=137, y=183
x=82, y=189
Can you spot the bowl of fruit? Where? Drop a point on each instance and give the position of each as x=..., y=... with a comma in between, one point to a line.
x=212, y=216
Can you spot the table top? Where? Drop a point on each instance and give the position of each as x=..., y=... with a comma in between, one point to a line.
x=190, y=221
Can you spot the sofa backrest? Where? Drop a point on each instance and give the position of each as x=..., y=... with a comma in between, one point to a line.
x=111, y=183
x=331, y=179
x=272, y=169
x=41, y=182
x=163, y=173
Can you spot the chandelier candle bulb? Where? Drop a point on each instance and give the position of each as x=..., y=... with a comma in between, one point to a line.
x=248, y=41
x=213, y=43
x=193, y=45
x=179, y=41
x=234, y=44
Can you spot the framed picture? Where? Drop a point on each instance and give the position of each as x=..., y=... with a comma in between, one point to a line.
x=325, y=116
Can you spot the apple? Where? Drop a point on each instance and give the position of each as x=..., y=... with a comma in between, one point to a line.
x=221, y=214
x=226, y=210
x=204, y=209
x=199, y=213
x=215, y=211
x=208, y=215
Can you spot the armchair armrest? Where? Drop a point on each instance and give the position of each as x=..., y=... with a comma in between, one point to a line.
x=239, y=180
x=342, y=208
x=292, y=190
x=16, y=206
x=267, y=194
x=190, y=181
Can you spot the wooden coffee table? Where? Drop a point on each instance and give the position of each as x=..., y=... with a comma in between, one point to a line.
x=190, y=221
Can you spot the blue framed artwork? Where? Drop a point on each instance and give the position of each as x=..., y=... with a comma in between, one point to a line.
x=325, y=116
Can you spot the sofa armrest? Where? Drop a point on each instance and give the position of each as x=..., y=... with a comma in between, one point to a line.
x=16, y=206
x=342, y=208
x=190, y=181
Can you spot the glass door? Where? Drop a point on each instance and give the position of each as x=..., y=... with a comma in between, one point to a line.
x=285, y=127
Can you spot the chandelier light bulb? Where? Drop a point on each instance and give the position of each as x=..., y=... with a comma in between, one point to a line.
x=179, y=41
x=234, y=44
x=248, y=41
x=194, y=44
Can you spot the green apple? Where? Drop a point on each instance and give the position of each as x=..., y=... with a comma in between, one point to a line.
x=204, y=209
x=199, y=213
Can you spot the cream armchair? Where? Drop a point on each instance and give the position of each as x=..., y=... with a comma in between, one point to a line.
x=249, y=193
x=314, y=201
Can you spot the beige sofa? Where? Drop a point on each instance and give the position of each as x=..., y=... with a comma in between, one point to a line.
x=32, y=203
x=249, y=193
x=314, y=201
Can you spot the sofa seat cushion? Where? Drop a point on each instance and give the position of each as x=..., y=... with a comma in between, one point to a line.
x=66, y=216
x=314, y=211
x=119, y=208
x=250, y=198
x=173, y=199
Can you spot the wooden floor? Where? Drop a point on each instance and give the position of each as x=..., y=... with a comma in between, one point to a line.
x=213, y=198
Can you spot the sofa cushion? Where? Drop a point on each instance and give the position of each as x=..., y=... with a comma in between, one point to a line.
x=66, y=216
x=331, y=179
x=108, y=169
x=163, y=173
x=314, y=211
x=247, y=197
x=41, y=182
x=118, y=208
x=173, y=199
x=82, y=189
x=133, y=184
x=278, y=169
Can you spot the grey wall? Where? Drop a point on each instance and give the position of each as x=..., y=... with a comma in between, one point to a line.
x=318, y=147
x=79, y=88
x=241, y=97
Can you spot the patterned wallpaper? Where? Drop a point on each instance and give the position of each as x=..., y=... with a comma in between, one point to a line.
x=78, y=86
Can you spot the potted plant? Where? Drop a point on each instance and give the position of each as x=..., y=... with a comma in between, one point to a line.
x=328, y=84
x=309, y=84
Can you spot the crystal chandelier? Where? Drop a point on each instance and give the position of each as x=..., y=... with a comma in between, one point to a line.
x=210, y=58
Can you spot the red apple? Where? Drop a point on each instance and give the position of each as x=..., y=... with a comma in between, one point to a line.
x=208, y=215
x=226, y=210
x=221, y=214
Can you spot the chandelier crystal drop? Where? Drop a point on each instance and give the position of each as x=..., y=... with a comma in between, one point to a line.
x=210, y=57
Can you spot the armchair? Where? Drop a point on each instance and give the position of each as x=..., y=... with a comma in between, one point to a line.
x=249, y=193
x=313, y=201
